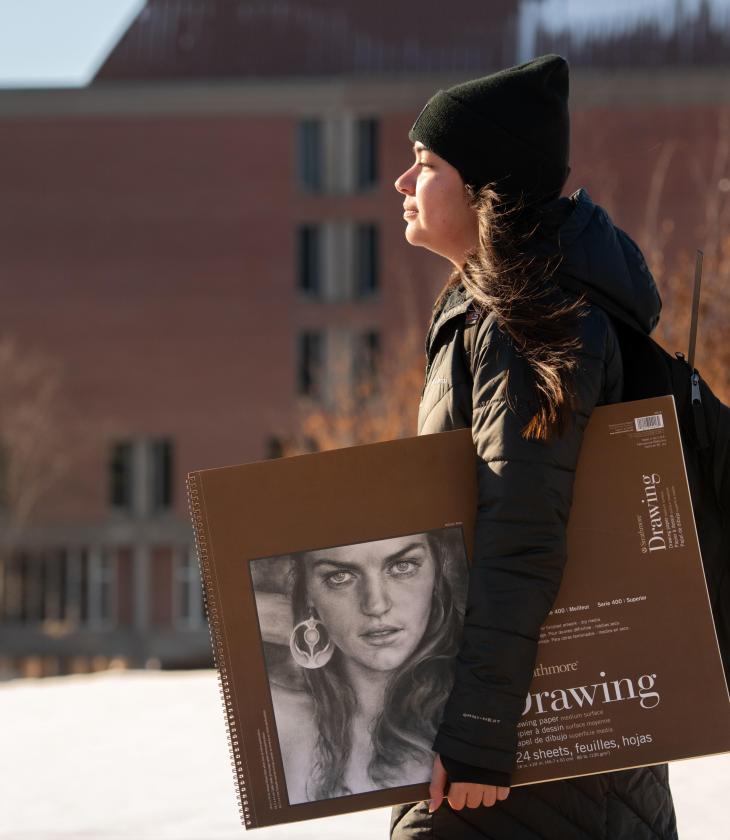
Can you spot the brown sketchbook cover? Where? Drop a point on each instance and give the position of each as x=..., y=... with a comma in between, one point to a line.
x=337, y=578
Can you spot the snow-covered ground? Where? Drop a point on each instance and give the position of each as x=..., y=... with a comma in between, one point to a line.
x=142, y=755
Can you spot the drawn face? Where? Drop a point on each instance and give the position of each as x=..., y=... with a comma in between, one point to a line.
x=375, y=598
x=436, y=208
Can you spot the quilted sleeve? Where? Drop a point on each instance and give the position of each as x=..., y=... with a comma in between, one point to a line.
x=525, y=492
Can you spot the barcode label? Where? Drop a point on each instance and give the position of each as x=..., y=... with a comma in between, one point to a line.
x=652, y=421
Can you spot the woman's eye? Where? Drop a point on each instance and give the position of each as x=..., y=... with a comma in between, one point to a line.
x=336, y=579
x=404, y=567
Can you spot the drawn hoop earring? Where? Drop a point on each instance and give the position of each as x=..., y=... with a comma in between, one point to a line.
x=310, y=643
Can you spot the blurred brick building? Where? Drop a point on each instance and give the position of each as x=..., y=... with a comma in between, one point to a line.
x=212, y=223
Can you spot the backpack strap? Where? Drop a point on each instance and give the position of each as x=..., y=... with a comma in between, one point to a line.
x=695, y=310
x=698, y=409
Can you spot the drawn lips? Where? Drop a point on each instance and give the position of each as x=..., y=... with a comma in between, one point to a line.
x=381, y=635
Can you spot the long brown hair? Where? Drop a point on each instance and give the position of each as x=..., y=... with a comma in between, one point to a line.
x=507, y=276
x=414, y=696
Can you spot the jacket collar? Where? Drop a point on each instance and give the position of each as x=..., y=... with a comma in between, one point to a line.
x=455, y=304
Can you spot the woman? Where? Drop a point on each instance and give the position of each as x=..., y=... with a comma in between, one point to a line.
x=519, y=348
x=374, y=634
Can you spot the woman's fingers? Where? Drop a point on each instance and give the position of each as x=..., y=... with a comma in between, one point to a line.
x=474, y=795
x=460, y=794
x=457, y=795
x=490, y=796
x=437, y=786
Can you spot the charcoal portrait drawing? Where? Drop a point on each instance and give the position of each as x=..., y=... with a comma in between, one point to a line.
x=359, y=642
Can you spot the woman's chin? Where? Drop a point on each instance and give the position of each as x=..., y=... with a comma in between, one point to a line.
x=414, y=235
x=384, y=664
x=385, y=660
x=417, y=236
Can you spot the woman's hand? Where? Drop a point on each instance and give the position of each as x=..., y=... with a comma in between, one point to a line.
x=461, y=793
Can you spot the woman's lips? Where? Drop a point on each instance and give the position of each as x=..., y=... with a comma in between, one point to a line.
x=381, y=636
x=407, y=214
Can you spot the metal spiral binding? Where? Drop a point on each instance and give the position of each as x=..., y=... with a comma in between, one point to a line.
x=215, y=629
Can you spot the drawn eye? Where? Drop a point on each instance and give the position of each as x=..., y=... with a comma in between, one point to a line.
x=403, y=568
x=338, y=579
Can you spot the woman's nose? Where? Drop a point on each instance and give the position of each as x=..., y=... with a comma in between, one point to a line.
x=374, y=600
x=405, y=183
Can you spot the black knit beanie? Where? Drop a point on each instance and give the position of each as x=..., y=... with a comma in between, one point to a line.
x=510, y=128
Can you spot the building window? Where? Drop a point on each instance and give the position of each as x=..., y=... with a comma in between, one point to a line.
x=309, y=259
x=161, y=470
x=338, y=153
x=366, y=363
x=366, y=260
x=82, y=586
x=101, y=587
x=6, y=595
x=366, y=135
x=309, y=367
x=55, y=585
x=34, y=587
x=121, y=473
x=141, y=476
x=25, y=587
x=310, y=155
x=4, y=477
x=188, y=607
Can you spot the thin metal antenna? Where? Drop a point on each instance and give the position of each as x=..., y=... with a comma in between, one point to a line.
x=695, y=310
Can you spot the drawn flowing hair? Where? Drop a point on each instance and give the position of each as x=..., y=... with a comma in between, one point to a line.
x=511, y=278
x=414, y=696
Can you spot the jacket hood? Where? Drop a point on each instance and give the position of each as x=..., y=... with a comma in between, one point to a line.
x=601, y=260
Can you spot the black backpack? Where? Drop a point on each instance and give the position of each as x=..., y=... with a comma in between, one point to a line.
x=704, y=423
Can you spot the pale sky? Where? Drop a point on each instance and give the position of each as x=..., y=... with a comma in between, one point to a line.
x=583, y=14
x=59, y=43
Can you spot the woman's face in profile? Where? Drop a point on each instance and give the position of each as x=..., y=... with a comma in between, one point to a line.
x=436, y=207
x=374, y=598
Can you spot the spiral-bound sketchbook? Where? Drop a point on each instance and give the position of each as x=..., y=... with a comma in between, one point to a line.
x=335, y=586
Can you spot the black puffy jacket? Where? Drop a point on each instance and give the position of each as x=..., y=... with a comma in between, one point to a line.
x=525, y=493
